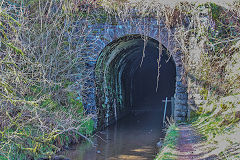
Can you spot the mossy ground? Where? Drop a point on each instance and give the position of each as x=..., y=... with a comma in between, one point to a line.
x=169, y=144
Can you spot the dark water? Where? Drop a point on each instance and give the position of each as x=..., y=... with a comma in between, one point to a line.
x=134, y=137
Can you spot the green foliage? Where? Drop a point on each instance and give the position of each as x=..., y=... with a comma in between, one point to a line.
x=204, y=93
x=87, y=127
x=194, y=115
x=15, y=49
x=33, y=106
x=169, y=144
x=171, y=137
x=226, y=26
x=216, y=11
x=3, y=158
x=33, y=142
x=50, y=104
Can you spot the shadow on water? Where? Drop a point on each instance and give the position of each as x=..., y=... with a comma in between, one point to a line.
x=132, y=138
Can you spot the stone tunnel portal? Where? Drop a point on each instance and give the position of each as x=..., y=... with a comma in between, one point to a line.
x=128, y=78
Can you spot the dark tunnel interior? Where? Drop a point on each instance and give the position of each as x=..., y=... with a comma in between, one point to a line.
x=127, y=81
x=143, y=90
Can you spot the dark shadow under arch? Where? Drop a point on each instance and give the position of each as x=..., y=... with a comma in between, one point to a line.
x=123, y=84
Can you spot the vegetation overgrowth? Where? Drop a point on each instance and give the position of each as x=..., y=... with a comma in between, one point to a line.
x=169, y=143
x=41, y=54
x=218, y=122
x=212, y=65
x=41, y=111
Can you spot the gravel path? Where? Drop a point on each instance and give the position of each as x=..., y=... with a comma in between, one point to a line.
x=190, y=145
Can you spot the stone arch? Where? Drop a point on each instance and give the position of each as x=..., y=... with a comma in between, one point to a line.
x=111, y=94
x=102, y=36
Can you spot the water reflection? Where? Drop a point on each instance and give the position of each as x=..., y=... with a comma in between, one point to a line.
x=132, y=138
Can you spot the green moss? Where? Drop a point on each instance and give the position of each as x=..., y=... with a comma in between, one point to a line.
x=169, y=144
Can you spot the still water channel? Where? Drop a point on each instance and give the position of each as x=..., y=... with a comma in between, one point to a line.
x=134, y=137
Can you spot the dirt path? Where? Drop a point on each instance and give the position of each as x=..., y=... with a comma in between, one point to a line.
x=190, y=146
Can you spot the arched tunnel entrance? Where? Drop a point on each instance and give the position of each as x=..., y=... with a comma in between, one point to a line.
x=130, y=78
x=146, y=91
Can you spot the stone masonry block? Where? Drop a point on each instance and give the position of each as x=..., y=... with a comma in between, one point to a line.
x=180, y=119
x=182, y=96
x=180, y=114
x=181, y=108
x=181, y=89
